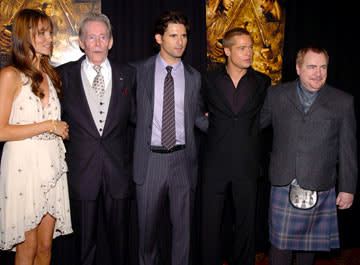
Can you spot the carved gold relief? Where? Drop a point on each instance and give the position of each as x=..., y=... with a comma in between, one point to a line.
x=264, y=19
x=65, y=14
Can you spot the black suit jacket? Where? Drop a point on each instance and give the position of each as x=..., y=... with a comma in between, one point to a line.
x=318, y=147
x=233, y=142
x=93, y=158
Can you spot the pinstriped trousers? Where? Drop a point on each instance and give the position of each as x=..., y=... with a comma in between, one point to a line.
x=166, y=180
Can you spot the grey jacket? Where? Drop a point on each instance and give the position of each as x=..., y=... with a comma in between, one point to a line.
x=194, y=117
x=318, y=148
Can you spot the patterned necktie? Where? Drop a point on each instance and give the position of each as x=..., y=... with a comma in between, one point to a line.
x=98, y=84
x=168, y=136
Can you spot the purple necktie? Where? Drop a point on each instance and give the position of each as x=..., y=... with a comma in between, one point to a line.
x=168, y=135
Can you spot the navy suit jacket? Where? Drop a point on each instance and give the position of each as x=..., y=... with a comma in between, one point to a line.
x=94, y=159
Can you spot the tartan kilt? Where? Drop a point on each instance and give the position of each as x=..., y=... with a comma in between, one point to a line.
x=314, y=229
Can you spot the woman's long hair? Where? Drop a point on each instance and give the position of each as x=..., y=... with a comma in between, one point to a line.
x=23, y=54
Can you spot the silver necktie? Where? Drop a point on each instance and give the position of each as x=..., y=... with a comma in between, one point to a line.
x=98, y=84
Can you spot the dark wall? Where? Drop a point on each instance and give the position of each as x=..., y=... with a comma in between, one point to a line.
x=133, y=22
x=332, y=26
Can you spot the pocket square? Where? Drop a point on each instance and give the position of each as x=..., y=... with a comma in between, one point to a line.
x=124, y=91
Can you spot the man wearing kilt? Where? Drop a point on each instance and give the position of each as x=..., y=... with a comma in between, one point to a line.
x=314, y=145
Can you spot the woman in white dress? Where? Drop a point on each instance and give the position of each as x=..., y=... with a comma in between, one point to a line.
x=34, y=202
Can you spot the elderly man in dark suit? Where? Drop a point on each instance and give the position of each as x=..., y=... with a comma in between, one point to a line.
x=165, y=160
x=97, y=105
x=314, y=146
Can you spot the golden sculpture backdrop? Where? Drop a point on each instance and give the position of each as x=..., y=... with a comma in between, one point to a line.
x=264, y=19
x=65, y=14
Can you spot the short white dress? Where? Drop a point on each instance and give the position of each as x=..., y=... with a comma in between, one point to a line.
x=33, y=178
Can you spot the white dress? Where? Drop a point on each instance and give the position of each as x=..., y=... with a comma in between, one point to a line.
x=33, y=178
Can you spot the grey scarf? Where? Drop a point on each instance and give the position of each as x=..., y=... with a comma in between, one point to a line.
x=306, y=96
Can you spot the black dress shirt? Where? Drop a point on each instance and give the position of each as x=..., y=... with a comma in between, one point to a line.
x=236, y=96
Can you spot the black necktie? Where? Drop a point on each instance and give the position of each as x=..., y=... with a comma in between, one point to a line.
x=168, y=135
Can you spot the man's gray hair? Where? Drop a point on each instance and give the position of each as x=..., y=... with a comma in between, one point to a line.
x=94, y=17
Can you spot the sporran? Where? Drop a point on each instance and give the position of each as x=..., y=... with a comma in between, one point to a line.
x=301, y=198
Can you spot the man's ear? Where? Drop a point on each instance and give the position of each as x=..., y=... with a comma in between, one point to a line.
x=158, y=38
x=111, y=42
x=227, y=52
x=81, y=44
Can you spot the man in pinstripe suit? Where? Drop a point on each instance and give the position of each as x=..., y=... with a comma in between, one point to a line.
x=161, y=171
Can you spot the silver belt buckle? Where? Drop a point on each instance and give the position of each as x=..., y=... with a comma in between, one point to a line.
x=301, y=198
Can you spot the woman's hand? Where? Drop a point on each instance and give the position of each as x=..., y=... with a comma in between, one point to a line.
x=60, y=128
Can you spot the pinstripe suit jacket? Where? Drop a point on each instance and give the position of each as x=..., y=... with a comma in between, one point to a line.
x=317, y=148
x=194, y=116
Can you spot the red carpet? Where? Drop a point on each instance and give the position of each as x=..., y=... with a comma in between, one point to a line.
x=343, y=257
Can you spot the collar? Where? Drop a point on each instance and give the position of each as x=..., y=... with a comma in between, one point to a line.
x=222, y=69
x=160, y=61
x=306, y=91
x=104, y=65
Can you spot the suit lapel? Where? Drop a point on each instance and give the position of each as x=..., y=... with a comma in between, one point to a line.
x=223, y=99
x=219, y=94
x=253, y=93
x=189, y=94
x=149, y=76
x=189, y=81
x=81, y=100
x=117, y=87
x=320, y=100
x=292, y=95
